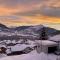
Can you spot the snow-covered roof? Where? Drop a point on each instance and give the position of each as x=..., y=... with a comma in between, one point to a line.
x=46, y=42
x=31, y=42
x=55, y=38
x=20, y=47
x=2, y=45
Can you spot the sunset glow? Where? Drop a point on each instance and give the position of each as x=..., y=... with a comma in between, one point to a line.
x=29, y=12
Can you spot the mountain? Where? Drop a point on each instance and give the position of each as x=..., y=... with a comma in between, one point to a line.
x=37, y=30
x=3, y=28
x=52, y=31
x=21, y=28
x=30, y=30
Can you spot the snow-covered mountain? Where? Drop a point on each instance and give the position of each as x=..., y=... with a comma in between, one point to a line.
x=30, y=29
x=3, y=28
x=30, y=32
x=36, y=30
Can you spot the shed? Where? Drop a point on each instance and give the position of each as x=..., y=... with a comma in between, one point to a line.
x=46, y=46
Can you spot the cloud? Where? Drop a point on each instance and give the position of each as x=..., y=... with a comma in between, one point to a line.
x=41, y=7
x=13, y=6
x=14, y=3
x=30, y=7
x=45, y=11
x=9, y=17
x=29, y=11
x=54, y=12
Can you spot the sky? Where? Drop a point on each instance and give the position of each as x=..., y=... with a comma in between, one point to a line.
x=30, y=12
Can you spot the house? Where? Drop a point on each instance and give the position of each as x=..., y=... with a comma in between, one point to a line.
x=25, y=51
x=56, y=39
x=46, y=46
x=19, y=49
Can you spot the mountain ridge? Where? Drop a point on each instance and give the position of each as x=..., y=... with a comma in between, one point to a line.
x=31, y=29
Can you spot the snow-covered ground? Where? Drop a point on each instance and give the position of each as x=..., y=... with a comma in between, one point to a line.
x=32, y=56
x=2, y=55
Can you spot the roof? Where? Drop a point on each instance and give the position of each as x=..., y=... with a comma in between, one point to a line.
x=46, y=42
x=55, y=38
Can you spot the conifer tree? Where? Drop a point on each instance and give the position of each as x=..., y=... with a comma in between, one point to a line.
x=43, y=34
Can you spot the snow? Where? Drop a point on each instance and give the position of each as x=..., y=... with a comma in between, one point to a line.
x=2, y=55
x=19, y=41
x=31, y=42
x=46, y=42
x=32, y=56
x=8, y=41
x=55, y=38
x=8, y=51
x=13, y=41
x=20, y=47
x=1, y=45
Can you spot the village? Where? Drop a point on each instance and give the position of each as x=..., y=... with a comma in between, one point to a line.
x=48, y=45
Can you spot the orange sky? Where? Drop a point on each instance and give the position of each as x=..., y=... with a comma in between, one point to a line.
x=29, y=12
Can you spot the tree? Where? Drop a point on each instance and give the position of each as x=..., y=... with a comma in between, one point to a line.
x=43, y=34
